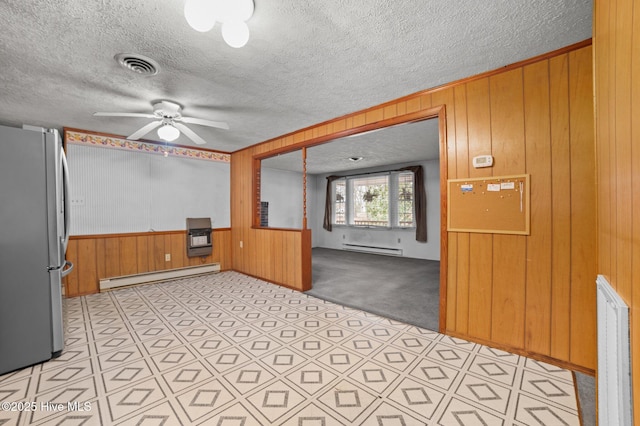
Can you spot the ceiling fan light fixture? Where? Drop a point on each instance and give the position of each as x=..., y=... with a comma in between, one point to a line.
x=200, y=14
x=235, y=33
x=168, y=133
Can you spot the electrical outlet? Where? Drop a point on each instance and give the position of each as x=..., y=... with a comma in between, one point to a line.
x=167, y=257
x=398, y=240
x=240, y=244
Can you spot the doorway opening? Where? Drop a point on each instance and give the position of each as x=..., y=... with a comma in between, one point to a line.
x=404, y=283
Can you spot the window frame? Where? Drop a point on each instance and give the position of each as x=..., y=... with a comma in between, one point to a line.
x=393, y=183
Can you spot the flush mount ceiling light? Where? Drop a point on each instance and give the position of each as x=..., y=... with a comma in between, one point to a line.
x=167, y=132
x=355, y=159
x=233, y=14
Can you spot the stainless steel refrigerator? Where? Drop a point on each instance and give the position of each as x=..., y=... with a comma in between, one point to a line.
x=34, y=231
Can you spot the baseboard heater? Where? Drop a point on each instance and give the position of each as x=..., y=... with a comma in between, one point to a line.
x=147, y=277
x=373, y=249
x=614, y=360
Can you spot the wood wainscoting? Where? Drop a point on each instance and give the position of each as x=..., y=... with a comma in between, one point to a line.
x=102, y=256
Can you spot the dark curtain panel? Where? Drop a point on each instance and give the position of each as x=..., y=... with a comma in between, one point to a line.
x=420, y=202
x=328, y=202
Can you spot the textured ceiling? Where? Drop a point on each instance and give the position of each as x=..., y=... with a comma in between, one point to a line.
x=392, y=145
x=306, y=62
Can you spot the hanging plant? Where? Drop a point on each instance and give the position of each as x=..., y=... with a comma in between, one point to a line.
x=369, y=195
x=405, y=194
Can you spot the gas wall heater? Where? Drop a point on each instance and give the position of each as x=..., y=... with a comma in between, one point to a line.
x=199, y=236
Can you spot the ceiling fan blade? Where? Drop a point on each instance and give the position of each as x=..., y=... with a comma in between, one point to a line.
x=202, y=122
x=123, y=114
x=144, y=130
x=190, y=133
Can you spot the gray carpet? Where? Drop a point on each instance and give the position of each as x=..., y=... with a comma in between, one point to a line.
x=398, y=288
x=587, y=397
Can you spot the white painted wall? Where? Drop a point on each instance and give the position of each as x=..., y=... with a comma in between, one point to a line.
x=283, y=190
x=394, y=238
x=118, y=191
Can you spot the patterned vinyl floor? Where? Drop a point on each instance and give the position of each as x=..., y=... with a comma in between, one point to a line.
x=231, y=350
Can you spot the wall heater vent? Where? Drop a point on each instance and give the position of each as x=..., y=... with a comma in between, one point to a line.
x=614, y=363
x=148, y=277
x=373, y=249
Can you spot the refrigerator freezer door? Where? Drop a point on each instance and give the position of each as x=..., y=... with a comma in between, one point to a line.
x=25, y=286
x=55, y=197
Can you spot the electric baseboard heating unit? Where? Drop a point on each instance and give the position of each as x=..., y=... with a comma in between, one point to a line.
x=372, y=249
x=199, y=236
x=614, y=362
x=149, y=277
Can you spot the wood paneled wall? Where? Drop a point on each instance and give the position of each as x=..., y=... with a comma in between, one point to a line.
x=530, y=294
x=616, y=41
x=535, y=293
x=271, y=254
x=103, y=256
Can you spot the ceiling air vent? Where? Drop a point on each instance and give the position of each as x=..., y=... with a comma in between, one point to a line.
x=137, y=63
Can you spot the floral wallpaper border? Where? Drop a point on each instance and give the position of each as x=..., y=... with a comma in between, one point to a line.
x=102, y=141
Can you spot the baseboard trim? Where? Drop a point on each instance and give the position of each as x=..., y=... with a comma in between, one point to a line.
x=112, y=283
x=529, y=354
x=388, y=251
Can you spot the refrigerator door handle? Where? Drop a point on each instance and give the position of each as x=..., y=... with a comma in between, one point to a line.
x=67, y=203
x=68, y=270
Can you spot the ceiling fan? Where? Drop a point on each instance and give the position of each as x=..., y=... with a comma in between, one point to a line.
x=168, y=117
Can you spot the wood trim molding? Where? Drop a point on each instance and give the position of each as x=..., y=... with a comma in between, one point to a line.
x=290, y=287
x=389, y=122
x=262, y=228
x=135, y=234
x=529, y=354
x=444, y=236
x=304, y=188
x=306, y=260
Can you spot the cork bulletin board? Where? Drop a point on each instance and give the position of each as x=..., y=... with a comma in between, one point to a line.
x=495, y=205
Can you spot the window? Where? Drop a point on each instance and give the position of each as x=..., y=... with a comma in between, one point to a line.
x=378, y=200
x=369, y=201
x=405, y=200
x=340, y=198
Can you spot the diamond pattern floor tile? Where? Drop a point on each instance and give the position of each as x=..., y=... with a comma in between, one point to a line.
x=249, y=377
x=348, y=400
x=230, y=350
x=276, y=400
x=419, y=399
x=205, y=399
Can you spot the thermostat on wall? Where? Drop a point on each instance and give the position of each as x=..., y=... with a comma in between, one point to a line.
x=482, y=161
